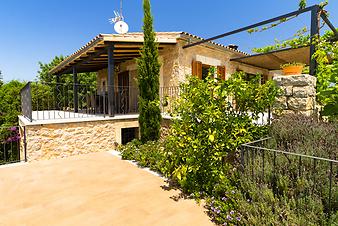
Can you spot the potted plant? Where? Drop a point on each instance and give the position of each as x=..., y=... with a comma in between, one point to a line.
x=293, y=68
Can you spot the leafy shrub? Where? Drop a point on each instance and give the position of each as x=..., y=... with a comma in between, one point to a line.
x=326, y=56
x=9, y=144
x=151, y=154
x=209, y=128
x=223, y=209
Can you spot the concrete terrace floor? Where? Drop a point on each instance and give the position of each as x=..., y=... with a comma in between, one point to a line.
x=93, y=189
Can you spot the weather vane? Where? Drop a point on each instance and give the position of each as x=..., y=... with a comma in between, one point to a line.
x=120, y=26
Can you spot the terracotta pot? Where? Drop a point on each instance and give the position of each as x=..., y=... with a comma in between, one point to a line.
x=293, y=70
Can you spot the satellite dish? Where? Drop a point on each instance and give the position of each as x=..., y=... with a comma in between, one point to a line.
x=121, y=27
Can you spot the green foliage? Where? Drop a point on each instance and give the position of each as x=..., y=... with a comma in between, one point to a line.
x=300, y=39
x=43, y=73
x=151, y=154
x=326, y=56
x=148, y=80
x=302, y=4
x=45, y=77
x=10, y=105
x=209, y=128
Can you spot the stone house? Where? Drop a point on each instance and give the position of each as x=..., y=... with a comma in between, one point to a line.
x=81, y=122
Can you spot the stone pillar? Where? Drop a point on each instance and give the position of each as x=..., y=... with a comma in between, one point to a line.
x=298, y=94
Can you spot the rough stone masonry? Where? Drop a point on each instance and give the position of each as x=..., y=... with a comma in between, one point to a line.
x=298, y=94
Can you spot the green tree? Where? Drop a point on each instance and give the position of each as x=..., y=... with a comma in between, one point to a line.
x=45, y=77
x=148, y=80
x=43, y=73
x=10, y=103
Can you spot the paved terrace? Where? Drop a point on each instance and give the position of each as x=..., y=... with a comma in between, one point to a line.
x=93, y=189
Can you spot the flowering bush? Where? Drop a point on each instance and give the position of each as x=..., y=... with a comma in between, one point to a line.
x=9, y=144
x=9, y=135
x=223, y=209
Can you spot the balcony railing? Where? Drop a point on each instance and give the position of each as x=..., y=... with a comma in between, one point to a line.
x=168, y=96
x=9, y=145
x=47, y=101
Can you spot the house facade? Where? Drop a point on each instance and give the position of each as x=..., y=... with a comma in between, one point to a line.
x=80, y=119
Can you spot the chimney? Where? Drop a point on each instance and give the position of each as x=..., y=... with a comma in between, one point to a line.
x=233, y=46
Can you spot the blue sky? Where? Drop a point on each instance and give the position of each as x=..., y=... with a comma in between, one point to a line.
x=38, y=30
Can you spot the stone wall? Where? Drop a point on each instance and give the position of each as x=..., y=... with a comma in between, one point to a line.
x=61, y=140
x=298, y=94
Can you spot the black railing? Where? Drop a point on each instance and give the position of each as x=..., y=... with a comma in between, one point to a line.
x=264, y=165
x=168, y=96
x=9, y=145
x=44, y=101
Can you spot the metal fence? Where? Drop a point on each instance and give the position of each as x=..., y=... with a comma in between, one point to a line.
x=168, y=96
x=44, y=101
x=9, y=145
x=296, y=174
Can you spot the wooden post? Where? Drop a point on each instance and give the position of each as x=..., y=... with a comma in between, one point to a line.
x=314, y=35
x=111, y=106
x=75, y=88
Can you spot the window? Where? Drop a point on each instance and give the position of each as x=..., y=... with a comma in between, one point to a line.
x=129, y=134
x=249, y=76
x=205, y=71
x=202, y=70
x=264, y=79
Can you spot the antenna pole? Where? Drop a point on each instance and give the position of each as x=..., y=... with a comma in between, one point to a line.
x=121, y=7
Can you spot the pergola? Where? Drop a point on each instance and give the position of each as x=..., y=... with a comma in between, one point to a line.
x=105, y=51
x=272, y=60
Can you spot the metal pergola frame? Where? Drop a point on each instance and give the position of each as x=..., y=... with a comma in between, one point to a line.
x=316, y=14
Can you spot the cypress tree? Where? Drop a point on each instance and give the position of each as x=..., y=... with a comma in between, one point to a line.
x=148, y=81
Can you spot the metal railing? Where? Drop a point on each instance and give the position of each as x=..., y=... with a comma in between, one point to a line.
x=9, y=145
x=168, y=96
x=45, y=101
x=264, y=165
